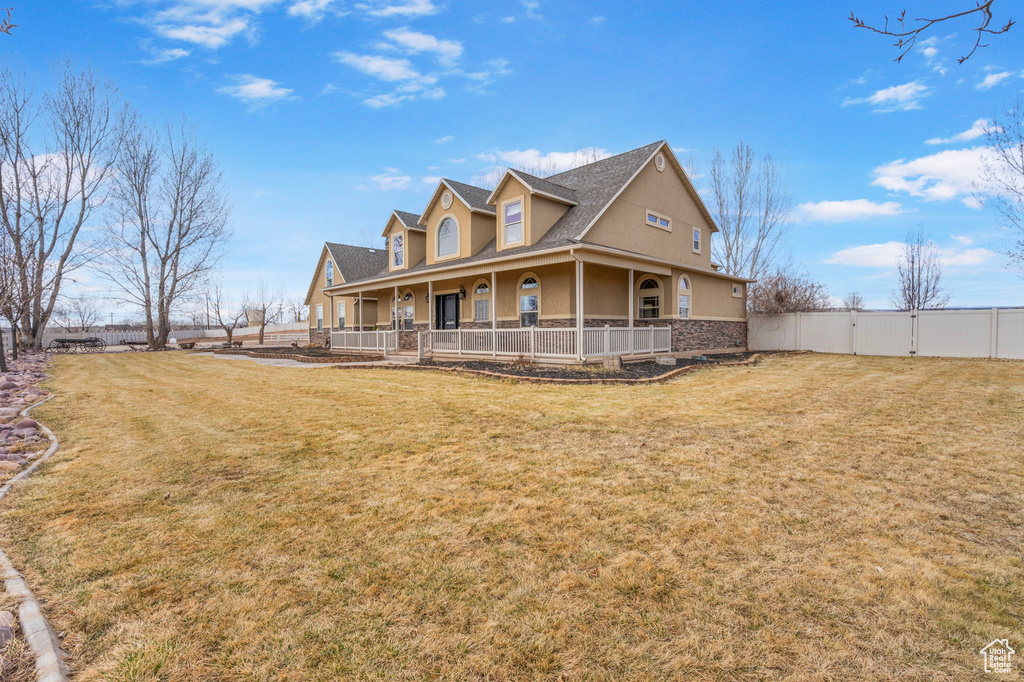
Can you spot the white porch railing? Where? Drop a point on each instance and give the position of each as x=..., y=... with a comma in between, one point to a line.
x=382, y=341
x=539, y=342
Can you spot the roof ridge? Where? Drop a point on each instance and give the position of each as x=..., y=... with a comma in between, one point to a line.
x=355, y=246
x=607, y=158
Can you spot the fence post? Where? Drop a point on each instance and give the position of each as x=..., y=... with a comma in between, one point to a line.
x=458, y=335
x=993, y=344
x=533, y=342
x=607, y=339
x=915, y=316
x=853, y=332
x=419, y=347
x=799, y=331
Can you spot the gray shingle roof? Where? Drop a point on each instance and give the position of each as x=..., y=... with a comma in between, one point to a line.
x=358, y=262
x=410, y=219
x=592, y=186
x=476, y=197
x=542, y=185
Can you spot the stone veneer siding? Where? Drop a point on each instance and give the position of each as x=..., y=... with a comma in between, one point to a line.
x=320, y=338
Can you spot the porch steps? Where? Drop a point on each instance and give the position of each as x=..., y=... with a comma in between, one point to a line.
x=402, y=359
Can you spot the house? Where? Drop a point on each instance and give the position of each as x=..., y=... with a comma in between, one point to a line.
x=611, y=258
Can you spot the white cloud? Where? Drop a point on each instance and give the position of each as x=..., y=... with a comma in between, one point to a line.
x=963, y=239
x=508, y=20
x=598, y=20
x=946, y=175
x=897, y=98
x=447, y=51
x=885, y=256
x=444, y=140
x=430, y=179
x=384, y=68
x=992, y=80
x=391, y=180
x=974, y=132
x=167, y=55
x=928, y=49
x=256, y=91
x=310, y=9
x=211, y=36
x=531, y=9
x=533, y=159
x=410, y=8
x=843, y=211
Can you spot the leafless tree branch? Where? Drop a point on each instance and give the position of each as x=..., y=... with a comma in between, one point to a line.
x=920, y=275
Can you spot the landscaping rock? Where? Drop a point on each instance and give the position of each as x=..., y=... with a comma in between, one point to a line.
x=8, y=413
x=6, y=629
x=24, y=433
x=8, y=385
x=665, y=361
x=26, y=424
x=9, y=467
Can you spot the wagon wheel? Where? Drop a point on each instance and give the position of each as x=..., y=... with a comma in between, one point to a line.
x=99, y=345
x=55, y=347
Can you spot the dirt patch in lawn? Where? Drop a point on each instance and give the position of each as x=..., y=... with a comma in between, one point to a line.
x=804, y=517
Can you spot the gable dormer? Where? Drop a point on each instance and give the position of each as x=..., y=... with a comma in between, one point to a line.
x=527, y=207
x=457, y=220
x=406, y=240
x=657, y=212
x=326, y=275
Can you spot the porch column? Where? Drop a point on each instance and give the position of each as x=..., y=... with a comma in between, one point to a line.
x=360, y=314
x=579, y=309
x=629, y=292
x=430, y=306
x=494, y=314
x=398, y=323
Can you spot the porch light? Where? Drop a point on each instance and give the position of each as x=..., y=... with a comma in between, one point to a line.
x=462, y=293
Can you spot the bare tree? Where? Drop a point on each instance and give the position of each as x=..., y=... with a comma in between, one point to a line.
x=170, y=226
x=227, y=314
x=751, y=205
x=78, y=313
x=787, y=291
x=542, y=169
x=906, y=36
x=260, y=304
x=8, y=296
x=1002, y=175
x=56, y=160
x=853, y=301
x=920, y=274
x=6, y=26
x=297, y=310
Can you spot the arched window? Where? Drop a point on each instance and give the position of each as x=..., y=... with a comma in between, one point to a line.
x=650, y=299
x=684, y=297
x=482, y=302
x=397, y=251
x=529, y=302
x=330, y=273
x=447, y=238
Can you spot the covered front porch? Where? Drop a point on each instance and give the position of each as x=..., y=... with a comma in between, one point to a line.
x=562, y=307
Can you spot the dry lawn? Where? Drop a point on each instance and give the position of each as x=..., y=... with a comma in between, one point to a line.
x=810, y=517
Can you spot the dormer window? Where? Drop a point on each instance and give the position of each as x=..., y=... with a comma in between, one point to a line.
x=397, y=251
x=447, y=238
x=659, y=221
x=513, y=217
x=330, y=274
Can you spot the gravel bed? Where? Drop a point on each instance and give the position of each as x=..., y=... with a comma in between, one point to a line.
x=633, y=370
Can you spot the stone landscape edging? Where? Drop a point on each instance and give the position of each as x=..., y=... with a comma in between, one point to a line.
x=285, y=356
x=557, y=380
x=42, y=641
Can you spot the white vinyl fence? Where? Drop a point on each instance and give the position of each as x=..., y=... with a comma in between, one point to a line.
x=987, y=333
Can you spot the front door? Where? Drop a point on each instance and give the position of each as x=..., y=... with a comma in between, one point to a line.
x=447, y=311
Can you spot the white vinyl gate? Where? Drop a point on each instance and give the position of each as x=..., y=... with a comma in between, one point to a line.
x=988, y=333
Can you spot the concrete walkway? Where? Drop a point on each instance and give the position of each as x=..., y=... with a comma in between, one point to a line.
x=293, y=363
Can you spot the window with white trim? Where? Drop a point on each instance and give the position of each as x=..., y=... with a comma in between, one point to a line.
x=696, y=240
x=684, y=297
x=397, y=251
x=482, y=303
x=330, y=274
x=659, y=221
x=319, y=317
x=529, y=302
x=737, y=291
x=650, y=302
x=447, y=238
x=513, y=217
x=341, y=315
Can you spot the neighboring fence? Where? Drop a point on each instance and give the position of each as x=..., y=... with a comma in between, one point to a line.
x=987, y=333
x=218, y=332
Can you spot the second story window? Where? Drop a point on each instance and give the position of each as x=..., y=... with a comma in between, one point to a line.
x=397, y=251
x=447, y=238
x=513, y=222
x=330, y=274
x=696, y=240
x=657, y=220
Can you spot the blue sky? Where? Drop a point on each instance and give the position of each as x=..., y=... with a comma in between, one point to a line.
x=326, y=114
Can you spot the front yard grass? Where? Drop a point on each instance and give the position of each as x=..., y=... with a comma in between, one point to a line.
x=812, y=516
